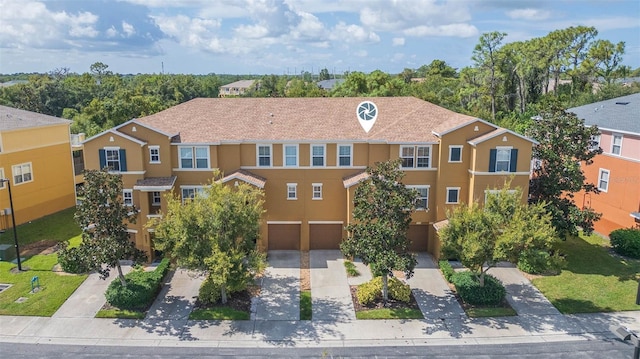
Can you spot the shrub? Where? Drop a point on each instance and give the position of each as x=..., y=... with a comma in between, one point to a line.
x=142, y=288
x=447, y=269
x=352, y=271
x=209, y=293
x=469, y=289
x=626, y=241
x=73, y=261
x=538, y=262
x=372, y=290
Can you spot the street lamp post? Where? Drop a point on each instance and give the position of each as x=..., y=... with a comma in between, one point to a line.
x=13, y=221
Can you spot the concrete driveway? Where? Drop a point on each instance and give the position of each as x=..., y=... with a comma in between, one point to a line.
x=279, y=297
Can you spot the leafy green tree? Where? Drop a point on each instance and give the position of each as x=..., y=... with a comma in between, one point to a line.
x=215, y=232
x=565, y=144
x=486, y=57
x=501, y=231
x=605, y=59
x=103, y=217
x=382, y=214
x=324, y=75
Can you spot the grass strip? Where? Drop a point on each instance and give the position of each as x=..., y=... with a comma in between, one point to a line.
x=388, y=313
x=219, y=313
x=305, y=305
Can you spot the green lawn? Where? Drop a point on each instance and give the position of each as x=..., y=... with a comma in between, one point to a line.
x=305, y=305
x=57, y=227
x=593, y=280
x=120, y=313
x=386, y=313
x=55, y=288
x=490, y=312
x=219, y=313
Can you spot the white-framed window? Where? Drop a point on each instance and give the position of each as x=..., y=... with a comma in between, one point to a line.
x=154, y=154
x=603, y=180
x=290, y=153
x=503, y=159
x=22, y=173
x=345, y=155
x=194, y=157
x=422, y=200
x=318, y=155
x=455, y=153
x=156, y=198
x=415, y=156
x=190, y=192
x=453, y=195
x=264, y=155
x=595, y=142
x=292, y=191
x=316, y=191
x=112, y=156
x=127, y=197
x=2, y=185
x=616, y=144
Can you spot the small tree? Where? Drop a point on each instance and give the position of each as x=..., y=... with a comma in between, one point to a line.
x=565, y=145
x=103, y=217
x=501, y=231
x=382, y=214
x=215, y=232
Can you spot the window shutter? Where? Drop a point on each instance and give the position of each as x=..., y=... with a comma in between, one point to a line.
x=513, y=165
x=123, y=160
x=103, y=159
x=492, y=159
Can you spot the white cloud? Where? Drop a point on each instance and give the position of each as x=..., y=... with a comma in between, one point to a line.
x=128, y=29
x=529, y=14
x=398, y=16
x=361, y=53
x=398, y=41
x=453, y=30
x=111, y=32
x=193, y=32
x=353, y=33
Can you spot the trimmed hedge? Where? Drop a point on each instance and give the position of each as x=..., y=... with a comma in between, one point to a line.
x=447, y=269
x=469, y=289
x=372, y=290
x=72, y=260
x=142, y=288
x=626, y=241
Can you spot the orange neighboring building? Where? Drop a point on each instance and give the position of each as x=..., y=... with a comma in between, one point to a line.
x=616, y=172
x=309, y=155
x=35, y=155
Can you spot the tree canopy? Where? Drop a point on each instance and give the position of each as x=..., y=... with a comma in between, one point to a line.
x=382, y=214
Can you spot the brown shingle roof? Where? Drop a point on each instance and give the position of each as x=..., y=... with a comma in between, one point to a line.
x=246, y=176
x=155, y=183
x=355, y=179
x=13, y=118
x=208, y=120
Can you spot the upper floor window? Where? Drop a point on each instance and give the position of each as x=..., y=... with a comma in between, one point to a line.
x=316, y=191
x=594, y=142
x=453, y=195
x=292, y=191
x=264, y=155
x=127, y=197
x=422, y=200
x=345, y=155
x=455, y=153
x=616, y=144
x=503, y=159
x=156, y=198
x=154, y=154
x=22, y=173
x=317, y=155
x=603, y=180
x=415, y=156
x=190, y=192
x=113, y=158
x=290, y=155
x=194, y=157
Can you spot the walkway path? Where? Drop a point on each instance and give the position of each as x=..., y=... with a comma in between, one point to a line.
x=88, y=298
x=330, y=294
x=279, y=297
x=177, y=297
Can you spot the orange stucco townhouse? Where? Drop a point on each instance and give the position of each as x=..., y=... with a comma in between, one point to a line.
x=309, y=155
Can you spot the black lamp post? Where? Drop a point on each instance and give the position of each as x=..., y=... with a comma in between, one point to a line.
x=13, y=221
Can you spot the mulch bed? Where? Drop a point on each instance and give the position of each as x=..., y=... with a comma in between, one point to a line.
x=240, y=301
x=40, y=247
x=379, y=304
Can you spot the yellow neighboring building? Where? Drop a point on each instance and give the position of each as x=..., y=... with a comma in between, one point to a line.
x=35, y=155
x=309, y=155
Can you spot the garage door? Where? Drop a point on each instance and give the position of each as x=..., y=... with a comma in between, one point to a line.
x=418, y=234
x=284, y=236
x=325, y=236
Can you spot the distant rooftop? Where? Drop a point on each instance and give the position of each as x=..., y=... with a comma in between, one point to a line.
x=240, y=84
x=329, y=84
x=13, y=82
x=621, y=113
x=13, y=118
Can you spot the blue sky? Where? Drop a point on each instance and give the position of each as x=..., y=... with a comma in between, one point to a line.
x=285, y=36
